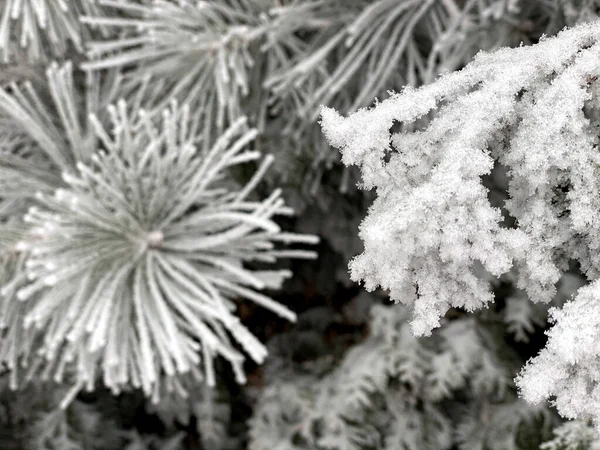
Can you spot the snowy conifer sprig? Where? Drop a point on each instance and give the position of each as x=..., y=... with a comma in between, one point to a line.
x=394, y=391
x=45, y=29
x=35, y=422
x=533, y=110
x=38, y=134
x=274, y=62
x=136, y=256
x=153, y=234
x=567, y=368
x=363, y=47
x=208, y=53
x=573, y=435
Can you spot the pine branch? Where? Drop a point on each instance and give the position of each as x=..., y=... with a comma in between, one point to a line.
x=207, y=52
x=45, y=28
x=136, y=257
x=396, y=391
x=535, y=111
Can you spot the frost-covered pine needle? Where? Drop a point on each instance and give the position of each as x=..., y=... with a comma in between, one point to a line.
x=136, y=256
x=205, y=51
x=45, y=28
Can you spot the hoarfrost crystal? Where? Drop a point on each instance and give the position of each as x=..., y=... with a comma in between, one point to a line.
x=533, y=110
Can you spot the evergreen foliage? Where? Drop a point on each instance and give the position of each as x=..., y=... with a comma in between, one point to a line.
x=394, y=390
x=573, y=435
x=44, y=28
x=146, y=148
x=276, y=62
x=133, y=241
x=533, y=110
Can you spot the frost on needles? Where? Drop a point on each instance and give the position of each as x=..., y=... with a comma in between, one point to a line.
x=39, y=29
x=534, y=111
x=126, y=239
